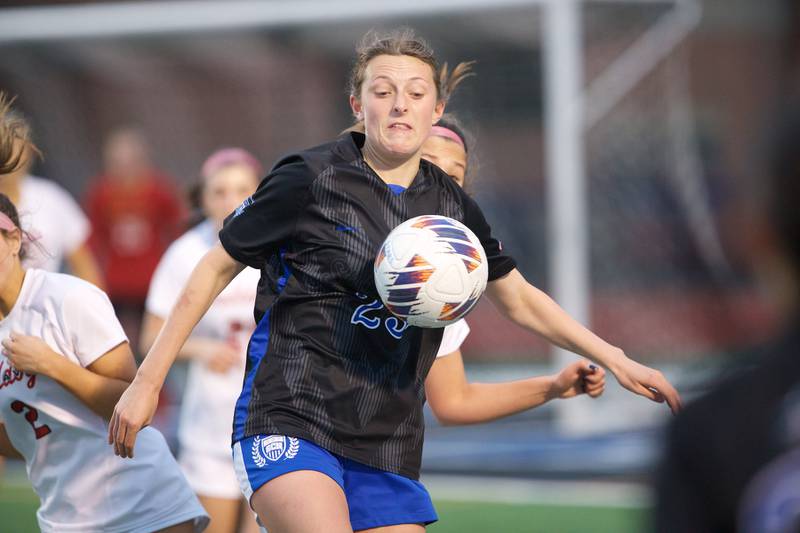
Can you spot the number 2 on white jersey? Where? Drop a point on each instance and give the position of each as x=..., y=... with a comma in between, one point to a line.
x=31, y=415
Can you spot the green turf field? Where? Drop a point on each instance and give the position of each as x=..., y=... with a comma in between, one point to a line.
x=468, y=517
x=18, y=507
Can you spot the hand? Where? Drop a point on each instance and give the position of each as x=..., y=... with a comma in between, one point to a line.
x=220, y=356
x=647, y=382
x=134, y=410
x=28, y=354
x=579, y=378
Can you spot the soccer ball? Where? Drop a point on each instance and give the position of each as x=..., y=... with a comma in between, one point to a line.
x=430, y=271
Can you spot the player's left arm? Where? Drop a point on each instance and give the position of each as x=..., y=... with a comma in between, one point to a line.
x=6, y=448
x=99, y=385
x=534, y=310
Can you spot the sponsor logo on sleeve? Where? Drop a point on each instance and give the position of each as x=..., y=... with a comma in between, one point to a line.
x=247, y=203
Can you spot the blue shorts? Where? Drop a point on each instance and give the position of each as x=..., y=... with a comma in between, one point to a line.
x=375, y=498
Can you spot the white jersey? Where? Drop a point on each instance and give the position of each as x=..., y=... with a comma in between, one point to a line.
x=210, y=397
x=82, y=485
x=453, y=336
x=54, y=219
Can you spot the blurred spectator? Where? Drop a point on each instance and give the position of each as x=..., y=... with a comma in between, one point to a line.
x=51, y=216
x=135, y=212
x=733, y=456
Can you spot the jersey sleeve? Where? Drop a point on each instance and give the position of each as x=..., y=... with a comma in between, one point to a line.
x=266, y=220
x=452, y=338
x=167, y=282
x=500, y=263
x=90, y=323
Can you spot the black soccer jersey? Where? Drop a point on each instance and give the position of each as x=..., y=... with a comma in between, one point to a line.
x=327, y=362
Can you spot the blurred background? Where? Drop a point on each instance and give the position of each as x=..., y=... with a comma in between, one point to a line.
x=619, y=155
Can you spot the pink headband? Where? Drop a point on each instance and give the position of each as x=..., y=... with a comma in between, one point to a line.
x=447, y=133
x=6, y=223
x=230, y=156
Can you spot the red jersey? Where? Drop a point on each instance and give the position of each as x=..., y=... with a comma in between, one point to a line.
x=132, y=225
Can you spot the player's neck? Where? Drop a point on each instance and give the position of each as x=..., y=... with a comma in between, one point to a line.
x=9, y=292
x=394, y=172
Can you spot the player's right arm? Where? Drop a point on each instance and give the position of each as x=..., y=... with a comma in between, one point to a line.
x=137, y=405
x=255, y=231
x=218, y=355
x=6, y=448
x=98, y=385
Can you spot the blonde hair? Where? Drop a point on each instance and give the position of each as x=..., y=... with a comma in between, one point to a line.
x=13, y=128
x=449, y=80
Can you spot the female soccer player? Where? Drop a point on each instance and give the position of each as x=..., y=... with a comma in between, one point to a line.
x=328, y=428
x=452, y=398
x=216, y=348
x=65, y=361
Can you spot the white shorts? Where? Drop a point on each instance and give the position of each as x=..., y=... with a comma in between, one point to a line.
x=209, y=474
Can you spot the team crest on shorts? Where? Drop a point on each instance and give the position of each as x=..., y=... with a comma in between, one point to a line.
x=273, y=448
